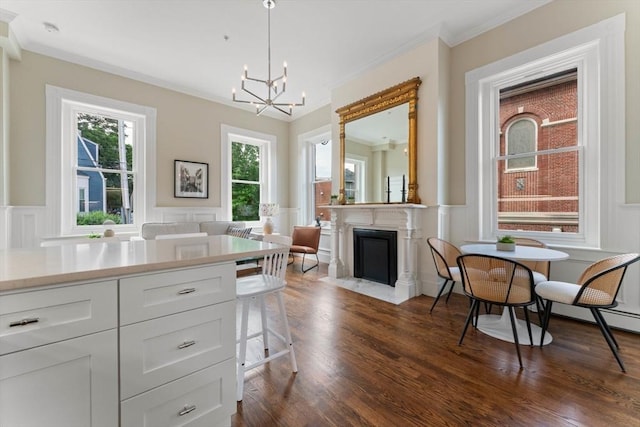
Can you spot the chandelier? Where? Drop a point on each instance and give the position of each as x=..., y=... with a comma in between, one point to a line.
x=273, y=92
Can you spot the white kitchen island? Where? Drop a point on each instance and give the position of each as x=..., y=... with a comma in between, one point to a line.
x=138, y=333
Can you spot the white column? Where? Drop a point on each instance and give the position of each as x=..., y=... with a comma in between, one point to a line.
x=336, y=267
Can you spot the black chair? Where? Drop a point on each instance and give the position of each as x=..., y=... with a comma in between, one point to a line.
x=501, y=281
x=444, y=256
x=596, y=288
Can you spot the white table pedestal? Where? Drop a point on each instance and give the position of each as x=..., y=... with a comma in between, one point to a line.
x=499, y=326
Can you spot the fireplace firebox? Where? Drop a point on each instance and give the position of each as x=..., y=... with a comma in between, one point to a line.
x=375, y=255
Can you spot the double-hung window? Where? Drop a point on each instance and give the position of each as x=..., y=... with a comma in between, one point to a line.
x=314, y=176
x=354, y=178
x=541, y=126
x=250, y=173
x=321, y=180
x=100, y=163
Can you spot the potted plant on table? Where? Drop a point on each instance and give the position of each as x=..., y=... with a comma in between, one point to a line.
x=506, y=243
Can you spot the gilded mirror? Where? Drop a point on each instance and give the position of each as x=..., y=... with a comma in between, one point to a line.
x=378, y=144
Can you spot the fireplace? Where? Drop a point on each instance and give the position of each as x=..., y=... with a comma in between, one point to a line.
x=399, y=218
x=375, y=255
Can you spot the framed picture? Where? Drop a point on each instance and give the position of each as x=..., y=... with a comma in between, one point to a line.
x=191, y=179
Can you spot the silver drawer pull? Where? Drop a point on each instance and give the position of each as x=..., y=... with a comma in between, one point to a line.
x=186, y=291
x=186, y=344
x=187, y=409
x=24, y=322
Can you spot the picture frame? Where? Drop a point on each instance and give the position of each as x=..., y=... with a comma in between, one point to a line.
x=191, y=179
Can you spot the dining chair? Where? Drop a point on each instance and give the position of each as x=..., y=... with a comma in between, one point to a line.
x=256, y=288
x=305, y=241
x=596, y=289
x=444, y=257
x=539, y=269
x=495, y=280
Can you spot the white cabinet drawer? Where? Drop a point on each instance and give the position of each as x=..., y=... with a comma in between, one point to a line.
x=72, y=383
x=157, y=351
x=153, y=295
x=204, y=398
x=30, y=319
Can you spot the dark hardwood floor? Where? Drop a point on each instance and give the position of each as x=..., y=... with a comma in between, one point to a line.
x=365, y=362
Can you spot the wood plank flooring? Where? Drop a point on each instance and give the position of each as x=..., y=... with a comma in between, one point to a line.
x=365, y=362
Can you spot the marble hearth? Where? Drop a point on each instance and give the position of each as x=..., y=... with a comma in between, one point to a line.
x=402, y=218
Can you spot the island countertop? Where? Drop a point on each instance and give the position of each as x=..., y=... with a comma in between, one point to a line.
x=27, y=268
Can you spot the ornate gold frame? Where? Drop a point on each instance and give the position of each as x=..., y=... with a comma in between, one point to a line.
x=388, y=98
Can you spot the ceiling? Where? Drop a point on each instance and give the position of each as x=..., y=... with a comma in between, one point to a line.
x=200, y=47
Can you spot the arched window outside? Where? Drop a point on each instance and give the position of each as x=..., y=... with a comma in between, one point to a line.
x=522, y=138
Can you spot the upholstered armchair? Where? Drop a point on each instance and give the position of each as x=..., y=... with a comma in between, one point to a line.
x=305, y=240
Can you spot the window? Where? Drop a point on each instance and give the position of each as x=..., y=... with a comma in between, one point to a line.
x=250, y=173
x=100, y=163
x=539, y=192
x=245, y=181
x=354, y=179
x=521, y=138
x=535, y=122
x=321, y=182
x=314, y=184
x=104, y=169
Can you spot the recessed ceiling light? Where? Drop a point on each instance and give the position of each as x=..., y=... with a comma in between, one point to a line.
x=51, y=28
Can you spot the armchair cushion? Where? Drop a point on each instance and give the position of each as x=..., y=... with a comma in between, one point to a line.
x=305, y=240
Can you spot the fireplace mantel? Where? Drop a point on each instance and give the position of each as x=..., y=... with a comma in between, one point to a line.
x=400, y=217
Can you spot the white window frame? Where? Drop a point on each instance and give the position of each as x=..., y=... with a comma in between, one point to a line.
x=535, y=147
x=360, y=172
x=598, y=53
x=268, y=167
x=305, y=173
x=62, y=105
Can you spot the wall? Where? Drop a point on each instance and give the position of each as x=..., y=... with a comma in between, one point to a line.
x=188, y=128
x=620, y=228
x=424, y=62
x=541, y=25
x=441, y=131
x=428, y=61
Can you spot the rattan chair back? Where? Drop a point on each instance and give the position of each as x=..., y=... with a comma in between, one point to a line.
x=444, y=254
x=601, y=281
x=496, y=280
x=541, y=267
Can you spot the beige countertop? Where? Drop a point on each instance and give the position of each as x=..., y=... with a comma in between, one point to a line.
x=25, y=268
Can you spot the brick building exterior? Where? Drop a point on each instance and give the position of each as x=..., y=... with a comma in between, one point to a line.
x=539, y=193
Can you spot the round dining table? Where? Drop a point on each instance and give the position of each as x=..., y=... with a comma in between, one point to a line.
x=499, y=326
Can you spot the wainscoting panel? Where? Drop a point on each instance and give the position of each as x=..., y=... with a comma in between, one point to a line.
x=26, y=226
x=4, y=227
x=187, y=214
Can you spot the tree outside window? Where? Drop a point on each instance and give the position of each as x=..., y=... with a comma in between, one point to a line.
x=104, y=165
x=245, y=181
